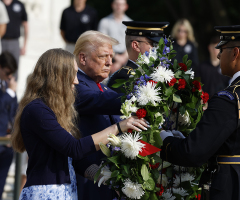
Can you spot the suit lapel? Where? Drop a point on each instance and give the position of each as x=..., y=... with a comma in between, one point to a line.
x=84, y=78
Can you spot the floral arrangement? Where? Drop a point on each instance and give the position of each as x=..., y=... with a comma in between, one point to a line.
x=168, y=96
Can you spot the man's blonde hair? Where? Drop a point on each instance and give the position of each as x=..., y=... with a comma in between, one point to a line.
x=91, y=40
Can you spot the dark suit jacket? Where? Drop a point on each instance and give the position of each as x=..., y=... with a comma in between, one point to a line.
x=94, y=108
x=123, y=73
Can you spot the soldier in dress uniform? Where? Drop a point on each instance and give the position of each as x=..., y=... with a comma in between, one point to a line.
x=217, y=135
x=140, y=37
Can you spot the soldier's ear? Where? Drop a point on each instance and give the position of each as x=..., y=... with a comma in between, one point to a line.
x=135, y=46
x=236, y=54
x=82, y=58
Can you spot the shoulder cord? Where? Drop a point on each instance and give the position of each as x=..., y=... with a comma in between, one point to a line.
x=127, y=68
x=236, y=86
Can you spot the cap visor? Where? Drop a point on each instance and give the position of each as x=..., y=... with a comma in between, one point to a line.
x=154, y=39
x=220, y=44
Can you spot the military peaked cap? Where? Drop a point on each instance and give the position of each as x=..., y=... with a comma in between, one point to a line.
x=228, y=33
x=150, y=30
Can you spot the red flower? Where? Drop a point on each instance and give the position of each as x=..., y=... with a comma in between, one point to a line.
x=181, y=84
x=160, y=192
x=141, y=113
x=205, y=97
x=153, y=82
x=183, y=67
x=129, y=130
x=172, y=82
x=154, y=166
x=197, y=85
x=198, y=197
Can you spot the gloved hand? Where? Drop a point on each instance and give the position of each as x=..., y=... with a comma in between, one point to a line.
x=164, y=134
x=177, y=134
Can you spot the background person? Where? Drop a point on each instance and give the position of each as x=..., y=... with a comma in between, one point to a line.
x=210, y=71
x=184, y=42
x=112, y=26
x=18, y=17
x=216, y=137
x=3, y=22
x=45, y=127
x=75, y=20
x=140, y=37
x=8, y=107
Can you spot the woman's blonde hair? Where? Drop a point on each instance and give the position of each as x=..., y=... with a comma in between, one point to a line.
x=50, y=81
x=186, y=23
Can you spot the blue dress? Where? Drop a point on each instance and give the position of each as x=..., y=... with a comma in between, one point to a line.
x=53, y=192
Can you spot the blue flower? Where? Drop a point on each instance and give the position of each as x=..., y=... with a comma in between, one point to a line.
x=116, y=149
x=129, y=96
x=147, y=53
x=165, y=41
x=146, y=76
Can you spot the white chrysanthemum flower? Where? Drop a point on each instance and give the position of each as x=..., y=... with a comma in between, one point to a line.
x=165, y=165
x=184, y=177
x=106, y=174
x=153, y=53
x=162, y=74
x=176, y=168
x=167, y=195
x=184, y=119
x=164, y=180
x=191, y=73
x=130, y=145
x=132, y=190
x=148, y=94
x=180, y=191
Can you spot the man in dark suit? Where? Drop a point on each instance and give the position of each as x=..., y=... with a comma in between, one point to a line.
x=95, y=103
x=140, y=37
x=216, y=138
x=8, y=107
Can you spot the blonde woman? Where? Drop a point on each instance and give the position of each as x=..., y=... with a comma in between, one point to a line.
x=45, y=127
x=185, y=42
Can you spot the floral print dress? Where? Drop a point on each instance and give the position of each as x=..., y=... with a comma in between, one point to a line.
x=53, y=192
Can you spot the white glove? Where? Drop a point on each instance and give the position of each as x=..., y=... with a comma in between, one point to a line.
x=177, y=134
x=164, y=134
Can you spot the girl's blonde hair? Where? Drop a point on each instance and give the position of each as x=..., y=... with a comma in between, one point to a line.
x=186, y=23
x=50, y=81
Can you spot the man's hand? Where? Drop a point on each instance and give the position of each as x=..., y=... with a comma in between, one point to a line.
x=12, y=84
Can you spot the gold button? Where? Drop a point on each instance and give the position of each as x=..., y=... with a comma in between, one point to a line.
x=140, y=33
x=233, y=38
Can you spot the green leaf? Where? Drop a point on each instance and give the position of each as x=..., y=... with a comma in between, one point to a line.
x=158, y=140
x=184, y=59
x=114, y=159
x=153, y=196
x=177, y=98
x=175, y=64
x=144, y=172
x=97, y=175
x=169, y=91
x=149, y=184
x=165, y=107
x=126, y=168
x=119, y=83
x=115, y=173
x=145, y=196
x=189, y=63
x=178, y=74
x=182, y=110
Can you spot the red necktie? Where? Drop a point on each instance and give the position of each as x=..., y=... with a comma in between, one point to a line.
x=100, y=87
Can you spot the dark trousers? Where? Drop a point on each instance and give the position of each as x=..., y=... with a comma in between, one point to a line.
x=6, y=156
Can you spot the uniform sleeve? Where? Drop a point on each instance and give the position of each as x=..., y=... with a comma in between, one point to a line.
x=24, y=14
x=89, y=101
x=42, y=122
x=217, y=124
x=4, y=19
